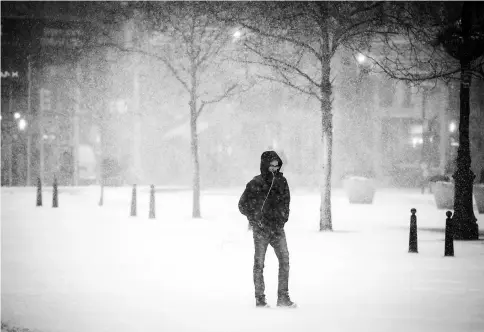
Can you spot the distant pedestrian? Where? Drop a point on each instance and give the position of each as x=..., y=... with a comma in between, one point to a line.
x=265, y=203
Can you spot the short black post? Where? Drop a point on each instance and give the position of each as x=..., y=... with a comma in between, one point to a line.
x=152, y=202
x=412, y=242
x=133, y=202
x=55, y=194
x=101, y=200
x=39, y=192
x=449, y=236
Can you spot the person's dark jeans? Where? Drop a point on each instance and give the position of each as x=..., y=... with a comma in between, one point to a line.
x=277, y=239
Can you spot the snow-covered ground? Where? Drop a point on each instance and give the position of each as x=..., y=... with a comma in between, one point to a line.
x=82, y=267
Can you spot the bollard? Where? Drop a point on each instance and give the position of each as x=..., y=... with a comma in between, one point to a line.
x=133, y=202
x=412, y=242
x=101, y=200
x=39, y=192
x=55, y=194
x=449, y=236
x=152, y=202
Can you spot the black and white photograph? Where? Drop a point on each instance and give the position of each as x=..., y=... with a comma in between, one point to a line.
x=242, y=166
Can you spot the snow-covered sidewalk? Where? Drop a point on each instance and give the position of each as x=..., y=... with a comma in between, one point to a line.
x=85, y=268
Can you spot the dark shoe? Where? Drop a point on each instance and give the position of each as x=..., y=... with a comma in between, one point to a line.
x=285, y=301
x=260, y=301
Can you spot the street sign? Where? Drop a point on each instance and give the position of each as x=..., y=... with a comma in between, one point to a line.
x=10, y=74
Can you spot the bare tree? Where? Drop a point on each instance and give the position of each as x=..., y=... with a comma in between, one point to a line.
x=445, y=41
x=193, y=46
x=297, y=41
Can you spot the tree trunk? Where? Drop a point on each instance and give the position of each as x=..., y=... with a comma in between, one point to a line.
x=100, y=163
x=325, y=222
x=194, y=147
x=465, y=226
x=138, y=175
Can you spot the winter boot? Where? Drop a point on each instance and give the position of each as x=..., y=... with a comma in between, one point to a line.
x=260, y=301
x=283, y=300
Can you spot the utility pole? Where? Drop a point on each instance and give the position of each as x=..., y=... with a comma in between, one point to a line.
x=41, y=136
x=10, y=136
x=29, y=120
x=136, y=172
x=45, y=105
x=136, y=122
x=77, y=111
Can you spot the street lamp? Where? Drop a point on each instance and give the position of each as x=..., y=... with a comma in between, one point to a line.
x=237, y=34
x=361, y=58
x=22, y=124
x=452, y=127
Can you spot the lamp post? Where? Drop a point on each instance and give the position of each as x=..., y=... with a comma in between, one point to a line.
x=363, y=115
x=464, y=41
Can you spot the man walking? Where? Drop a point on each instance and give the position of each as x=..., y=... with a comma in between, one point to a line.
x=265, y=203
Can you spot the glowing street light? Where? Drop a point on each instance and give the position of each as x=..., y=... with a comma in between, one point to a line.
x=360, y=58
x=452, y=127
x=237, y=34
x=22, y=124
x=16, y=115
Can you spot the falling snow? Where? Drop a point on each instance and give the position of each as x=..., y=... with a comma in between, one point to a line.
x=117, y=94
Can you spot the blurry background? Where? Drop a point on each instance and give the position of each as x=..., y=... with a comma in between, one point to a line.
x=68, y=108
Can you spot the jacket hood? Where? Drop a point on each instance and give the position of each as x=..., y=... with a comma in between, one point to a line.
x=265, y=161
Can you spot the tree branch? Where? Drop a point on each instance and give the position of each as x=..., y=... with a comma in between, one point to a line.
x=403, y=74
x=288, y=83
x=272, y=62
x=372, y=6
x=281, y=37
x=209, y=52
x=162, y=59
x=226, y=94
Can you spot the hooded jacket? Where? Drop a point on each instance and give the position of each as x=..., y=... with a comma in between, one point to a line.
x=274, y=212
